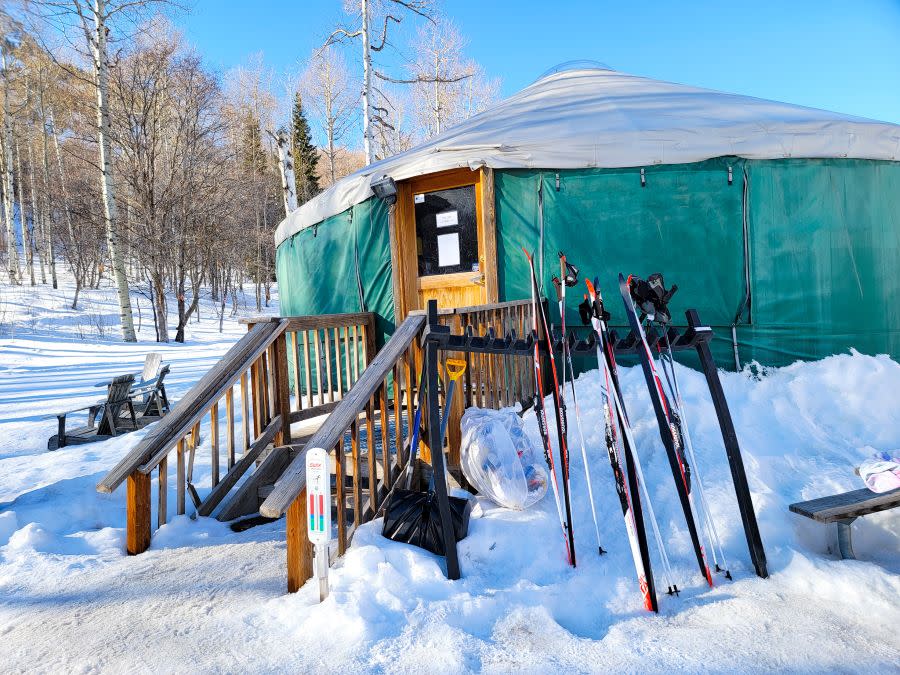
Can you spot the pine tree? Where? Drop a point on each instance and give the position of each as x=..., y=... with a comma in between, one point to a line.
x=253, y=156
x=306, y=157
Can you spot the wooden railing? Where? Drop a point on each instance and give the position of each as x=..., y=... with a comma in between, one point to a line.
x=372, y=425
x=491, y=381
x=252, y=382
x=330, y=365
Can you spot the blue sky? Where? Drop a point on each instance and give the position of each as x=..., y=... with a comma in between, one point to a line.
x=842, y=56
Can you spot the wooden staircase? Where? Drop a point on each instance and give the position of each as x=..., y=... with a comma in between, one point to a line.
x=294, y=383
x=320, y=358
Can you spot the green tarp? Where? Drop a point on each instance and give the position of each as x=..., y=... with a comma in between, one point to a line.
x=825, y=259
x=822, y=241
x=341, y=265
x=686, y=222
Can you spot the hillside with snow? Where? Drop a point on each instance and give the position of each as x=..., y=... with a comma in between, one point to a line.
x=72, y=601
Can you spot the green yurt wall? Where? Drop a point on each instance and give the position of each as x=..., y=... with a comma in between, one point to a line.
x=817, y=239
x=825, y=259
x=341, y=265
x=823, y=246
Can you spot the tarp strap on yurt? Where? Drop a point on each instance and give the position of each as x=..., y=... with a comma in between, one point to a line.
x=540, y=251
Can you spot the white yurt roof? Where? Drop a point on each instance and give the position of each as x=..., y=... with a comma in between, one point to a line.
x=595, y=117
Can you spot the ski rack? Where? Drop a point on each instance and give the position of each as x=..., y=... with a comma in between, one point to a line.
x=696, y=336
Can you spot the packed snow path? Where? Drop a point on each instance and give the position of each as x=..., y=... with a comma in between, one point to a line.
x=212, y=600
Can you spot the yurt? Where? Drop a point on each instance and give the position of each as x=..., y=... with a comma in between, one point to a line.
x=779, y=223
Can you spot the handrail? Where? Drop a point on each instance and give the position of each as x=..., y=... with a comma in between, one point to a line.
x=293, y=480
x=451, y=311
x=252, y=386
x=188, y=411
x=311, y=321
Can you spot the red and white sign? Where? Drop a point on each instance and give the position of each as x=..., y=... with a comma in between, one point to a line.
x=318, y=496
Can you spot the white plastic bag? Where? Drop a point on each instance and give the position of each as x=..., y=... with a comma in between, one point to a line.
x=499, y=459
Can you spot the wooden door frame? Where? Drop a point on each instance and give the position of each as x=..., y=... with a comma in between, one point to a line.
x=402, y=223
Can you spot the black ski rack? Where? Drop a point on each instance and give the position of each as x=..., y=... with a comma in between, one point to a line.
x=696, y=336
x=511, y=344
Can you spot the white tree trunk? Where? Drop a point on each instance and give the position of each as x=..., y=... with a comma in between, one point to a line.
x=101, y=74
x=331, y=152
x=23, y=220
x=35, y=219
x=437, y=91
x=367, y=85
x=329, y=128
x=12, y=251
x=288, y=180
x=48, y=220
x=70, y=230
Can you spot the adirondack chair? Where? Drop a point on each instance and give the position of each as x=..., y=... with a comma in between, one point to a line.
x=110, y=411
x=149, y=392
x=152, y=395
x=152, y=365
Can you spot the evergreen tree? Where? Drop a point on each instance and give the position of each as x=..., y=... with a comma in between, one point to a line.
x=253, y=156
x=306, y=157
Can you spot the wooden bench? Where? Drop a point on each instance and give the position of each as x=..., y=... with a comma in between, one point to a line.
x=843, y=509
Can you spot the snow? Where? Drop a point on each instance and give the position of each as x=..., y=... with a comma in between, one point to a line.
x=207, y=598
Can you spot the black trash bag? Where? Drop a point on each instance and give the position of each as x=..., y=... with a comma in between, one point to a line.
x=413, y=517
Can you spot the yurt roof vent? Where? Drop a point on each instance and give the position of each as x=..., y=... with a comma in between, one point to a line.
x=577, y=64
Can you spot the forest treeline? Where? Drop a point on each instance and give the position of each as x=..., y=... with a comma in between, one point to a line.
x=123, y=156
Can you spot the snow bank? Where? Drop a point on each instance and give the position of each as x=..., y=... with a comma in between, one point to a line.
x=520, y=607
x=207, y=598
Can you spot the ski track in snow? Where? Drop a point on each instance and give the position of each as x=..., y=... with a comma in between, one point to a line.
x=206, y=598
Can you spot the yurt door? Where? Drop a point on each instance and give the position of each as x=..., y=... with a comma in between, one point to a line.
x=448, y=240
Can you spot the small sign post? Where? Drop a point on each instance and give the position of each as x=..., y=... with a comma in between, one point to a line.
x=318, y=506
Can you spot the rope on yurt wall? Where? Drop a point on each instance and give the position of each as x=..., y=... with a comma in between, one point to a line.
x=541, y=230
x=359, y=285
x=745, y=303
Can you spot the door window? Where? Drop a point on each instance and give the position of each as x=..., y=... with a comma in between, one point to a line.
x=446, y=231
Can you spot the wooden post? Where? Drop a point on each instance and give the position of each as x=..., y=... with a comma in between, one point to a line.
x=369, y=338
x=162, y=487
x=180, y=476
x=340, y=473
x=282, y=390
x=256, y=398
x=214, y=438
x=489, y=228
x=229, y=424
x=245, y=413
x=299, y=548
x=137, y=508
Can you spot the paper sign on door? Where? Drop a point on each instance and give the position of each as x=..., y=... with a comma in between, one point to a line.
x=447, y=219
x=448, y=249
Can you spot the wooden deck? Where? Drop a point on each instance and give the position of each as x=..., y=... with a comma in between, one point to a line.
x=86, y=434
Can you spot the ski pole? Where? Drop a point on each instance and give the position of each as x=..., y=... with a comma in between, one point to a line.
x=711, y=531
x=568, y=273
x=414, y=439
x=455, y=368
